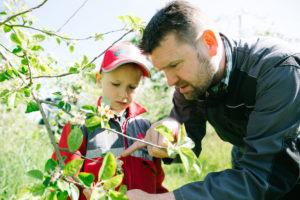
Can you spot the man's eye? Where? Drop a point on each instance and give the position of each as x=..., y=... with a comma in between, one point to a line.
x=115, y=84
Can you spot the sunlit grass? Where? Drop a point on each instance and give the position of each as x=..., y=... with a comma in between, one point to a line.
x=215, y=156
x=23, y=147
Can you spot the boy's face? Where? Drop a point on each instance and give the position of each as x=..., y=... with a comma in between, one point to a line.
x=120, y=85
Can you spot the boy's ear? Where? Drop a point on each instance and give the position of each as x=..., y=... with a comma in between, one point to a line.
x=98, y=79
x=211, y=41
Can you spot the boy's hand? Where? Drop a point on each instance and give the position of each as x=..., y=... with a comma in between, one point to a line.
x=137, y=194
x=154, y=137
x=87, y=193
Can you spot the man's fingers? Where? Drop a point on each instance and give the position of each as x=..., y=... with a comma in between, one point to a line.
x=134, y=147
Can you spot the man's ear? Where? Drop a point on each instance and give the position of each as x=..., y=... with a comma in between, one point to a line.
x=98, y=79
x=211, y=41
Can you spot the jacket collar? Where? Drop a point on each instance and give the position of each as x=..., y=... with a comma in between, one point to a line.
x=134, y=108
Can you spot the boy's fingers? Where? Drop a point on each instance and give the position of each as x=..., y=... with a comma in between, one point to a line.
x=134, y=147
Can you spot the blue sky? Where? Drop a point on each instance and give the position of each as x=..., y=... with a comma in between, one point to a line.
x=233, y=17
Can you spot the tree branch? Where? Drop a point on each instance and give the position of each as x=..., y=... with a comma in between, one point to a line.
x=48, y=127
x=21, y=13
x=136, y=139
x=68, y=151
x=54, y=104
x=108, y=48
x=61, y=36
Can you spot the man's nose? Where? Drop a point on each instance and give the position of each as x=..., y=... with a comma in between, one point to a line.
x=172, y=78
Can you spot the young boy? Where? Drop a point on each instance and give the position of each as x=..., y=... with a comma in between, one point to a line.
x=122, y=69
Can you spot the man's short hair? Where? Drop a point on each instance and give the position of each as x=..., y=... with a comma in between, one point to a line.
x=179, y=17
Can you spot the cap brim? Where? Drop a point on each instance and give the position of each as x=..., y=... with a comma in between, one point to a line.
x=120, y=62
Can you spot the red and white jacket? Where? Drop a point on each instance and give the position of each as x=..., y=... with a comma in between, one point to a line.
x=140, y=170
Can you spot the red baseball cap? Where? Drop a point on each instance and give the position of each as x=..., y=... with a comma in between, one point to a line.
x=121, y=54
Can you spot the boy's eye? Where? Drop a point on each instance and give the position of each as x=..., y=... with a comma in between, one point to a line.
x=132, y=87
x=116, y=84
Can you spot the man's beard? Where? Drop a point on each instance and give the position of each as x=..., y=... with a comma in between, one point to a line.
x=201, y=87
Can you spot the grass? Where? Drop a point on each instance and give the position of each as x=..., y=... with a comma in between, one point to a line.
x=215, y=156
x=23, y=147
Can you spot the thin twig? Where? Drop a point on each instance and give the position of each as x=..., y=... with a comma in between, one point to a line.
x=136, y=139
x=72, y=15
x=61, y=36
x=53, y=76
x=108, y=48
x=74, y=182
x=56, y=105
x=68, y=151
x=21, y=13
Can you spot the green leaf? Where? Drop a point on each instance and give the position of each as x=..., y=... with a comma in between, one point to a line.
x=93, y=121
x=86, y=178
x=19, y=98
x=197, y=166
x=38, y=190
x=52, y=196
x=187, y=157
x=3, y=13
x=84, y=60
x=38, y=38
x=15, y=38
x=68, y=107
x=181, y=135
x=73, y=70
x=113, y=182
x=6, y=28
x=58, y=41
x=62, y=195
x=108, y=168
x=61, y=104
x=16, y=50
x=24, y=61
x=31, y=107
x=90, y=67
x=38, y=86
x=73, y=167
x=4, y=93
x=123, y=189
x=88, y=109
x=20, y=34
x=187, y=143
x=26, y=92
x=71, y=48
x=114, y=195
x=73, y=191
x=50, y=165
x=98, y=195
x=165, y=131
x=2, y=77
x=74, y=139
x=37, y=47
x=58, y=94
x=35, y=174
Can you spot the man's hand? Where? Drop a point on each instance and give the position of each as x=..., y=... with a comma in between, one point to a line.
x=154, y=137
x=136, y=194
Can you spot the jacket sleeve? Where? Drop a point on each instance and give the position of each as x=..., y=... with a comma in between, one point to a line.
x=269, y=168
x=160, y=176
x=63, y=143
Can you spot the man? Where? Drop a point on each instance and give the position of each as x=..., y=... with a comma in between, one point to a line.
x=249, y=91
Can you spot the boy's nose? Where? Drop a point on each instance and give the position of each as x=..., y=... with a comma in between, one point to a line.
x=124, y=93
